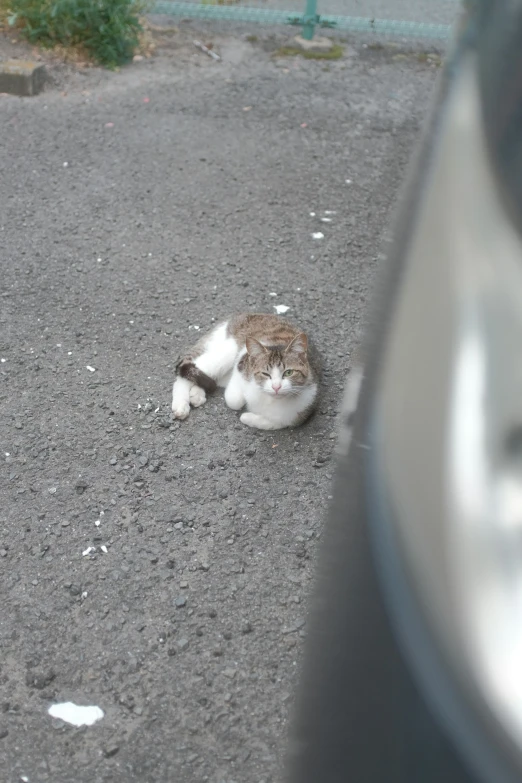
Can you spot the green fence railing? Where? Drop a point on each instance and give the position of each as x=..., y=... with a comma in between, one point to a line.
x=308, y=20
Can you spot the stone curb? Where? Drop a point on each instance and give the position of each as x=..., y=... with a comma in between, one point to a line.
x=21, y=77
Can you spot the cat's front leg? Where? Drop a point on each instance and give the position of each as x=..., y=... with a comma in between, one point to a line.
x=181, y=398
x=234, y=397
x=259, y=422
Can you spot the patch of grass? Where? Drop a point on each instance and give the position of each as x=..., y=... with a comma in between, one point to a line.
x=107, y=30
x=430, y=58
x=426, y=58
x=252, y=38
x=291, y=51
x=4, y=12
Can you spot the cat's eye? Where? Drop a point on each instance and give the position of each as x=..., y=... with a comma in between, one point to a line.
x=266, y=374
x=288, y=373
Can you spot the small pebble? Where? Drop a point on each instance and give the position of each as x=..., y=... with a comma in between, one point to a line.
x=80, y=486
x=110, y=750
x=180, y=601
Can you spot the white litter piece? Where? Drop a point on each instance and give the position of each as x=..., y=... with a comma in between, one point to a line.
x=65, y=165
x=88, y=551
x=272, y=293
x=91, y=369
x=3, y=360
x=312, y=214
x=196, y=328
x=317, y=235
x=326, y=220
x=280, y=309
x=97, y=523
x=348, y=181
x=208, y=51
x=104, y=549
x=76, y=715
x=330, y=212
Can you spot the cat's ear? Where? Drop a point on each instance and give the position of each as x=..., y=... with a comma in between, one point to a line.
x=255, y=349
x=298, y=346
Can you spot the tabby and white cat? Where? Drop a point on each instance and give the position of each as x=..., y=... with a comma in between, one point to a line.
x=262, y=361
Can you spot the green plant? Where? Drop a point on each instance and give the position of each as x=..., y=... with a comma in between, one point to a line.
x=291, y=51
x=107, y=29
x=4, y=11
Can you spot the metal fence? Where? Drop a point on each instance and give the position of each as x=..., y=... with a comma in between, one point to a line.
x=425, y=19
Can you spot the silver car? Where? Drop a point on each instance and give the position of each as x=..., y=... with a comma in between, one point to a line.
x=413, y=666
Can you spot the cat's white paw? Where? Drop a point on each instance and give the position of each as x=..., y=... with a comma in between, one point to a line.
x=254, y=420
x=197, y=396
x=259, y=422
x=234, y=400
x=180, y=410
x=249, y=419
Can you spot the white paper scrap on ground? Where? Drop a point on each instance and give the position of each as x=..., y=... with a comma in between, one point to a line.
x=280, y=309
x=74, y=714
x=317, y=235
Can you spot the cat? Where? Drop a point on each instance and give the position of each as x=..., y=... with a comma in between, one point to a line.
x=263, y=362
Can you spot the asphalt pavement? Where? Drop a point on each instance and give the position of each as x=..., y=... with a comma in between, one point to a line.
x=160, y=570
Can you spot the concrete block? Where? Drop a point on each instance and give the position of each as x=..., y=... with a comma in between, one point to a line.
x=21, y=77
x=317, y=44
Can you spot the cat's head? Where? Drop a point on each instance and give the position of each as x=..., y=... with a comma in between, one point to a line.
x=279, y=370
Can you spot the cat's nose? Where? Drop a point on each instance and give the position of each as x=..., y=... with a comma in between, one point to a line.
x=276, y=387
